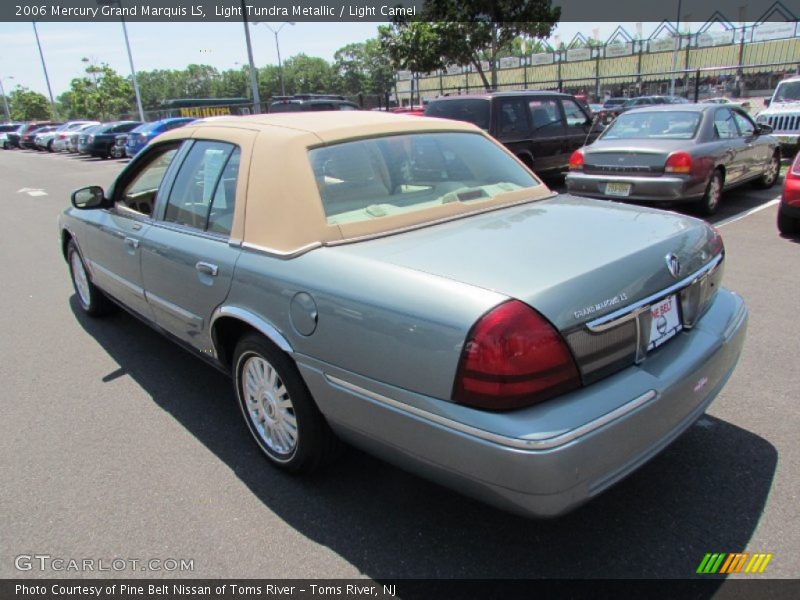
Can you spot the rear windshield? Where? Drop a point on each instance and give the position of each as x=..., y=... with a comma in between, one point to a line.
x=374, y=178
x=669, y=125
x=614, y=102
x=285, y=107
x=472, y=110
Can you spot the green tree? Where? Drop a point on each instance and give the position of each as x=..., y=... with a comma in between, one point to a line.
x=462, y=32
x=304, y=74
x=102, y=94
x=27, y=105
x=364, y=67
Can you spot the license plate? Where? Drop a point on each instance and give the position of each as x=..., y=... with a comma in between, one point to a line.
x=618, y=189
x=666, y=322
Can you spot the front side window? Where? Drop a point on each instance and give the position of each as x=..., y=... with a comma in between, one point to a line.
x=369, y=179
x=724, y=126
x=746, y=127
x=575, y=116
x=140, y=193
x=195, y=187
x=545, y=116
x=662, y=124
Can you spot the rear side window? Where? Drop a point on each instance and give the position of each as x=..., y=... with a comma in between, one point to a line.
x=471, y=110
x=196, y=184
x=546, y=116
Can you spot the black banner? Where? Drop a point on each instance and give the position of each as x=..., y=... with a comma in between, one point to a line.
x=372, y=10
x=361, y=589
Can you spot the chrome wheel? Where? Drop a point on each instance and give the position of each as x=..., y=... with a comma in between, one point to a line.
x=269, y=406
x=80, y=279
x=771, y=172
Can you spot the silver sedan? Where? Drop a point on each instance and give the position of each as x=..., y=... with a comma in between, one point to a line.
x=691, y=152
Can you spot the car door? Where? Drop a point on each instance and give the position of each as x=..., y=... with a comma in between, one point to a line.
x=732, y=148
x=757, y=153
x=547, y=133
x=187, y=261
x=512, y=127
x=113, y=236
x=577, y=128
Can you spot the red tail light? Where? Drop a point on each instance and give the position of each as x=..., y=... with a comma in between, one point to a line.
x=716, y=244
x=678, y=162
x=795, y=170
x=513, y=357
x=576, y=161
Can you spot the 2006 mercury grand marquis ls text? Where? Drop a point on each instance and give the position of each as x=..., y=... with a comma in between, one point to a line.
x=407, y=285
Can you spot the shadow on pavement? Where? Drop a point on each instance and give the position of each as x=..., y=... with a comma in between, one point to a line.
x=705, y=493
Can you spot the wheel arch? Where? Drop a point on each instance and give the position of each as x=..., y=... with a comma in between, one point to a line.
x=229, y=323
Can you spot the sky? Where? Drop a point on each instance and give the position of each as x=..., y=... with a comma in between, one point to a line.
x=176, y=45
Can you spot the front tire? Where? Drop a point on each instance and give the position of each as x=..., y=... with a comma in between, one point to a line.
x=92, y=300
x=770, y=174
x=278, y=408
x=709, y=204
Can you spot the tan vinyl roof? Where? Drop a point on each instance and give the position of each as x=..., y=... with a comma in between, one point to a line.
x=284, y=214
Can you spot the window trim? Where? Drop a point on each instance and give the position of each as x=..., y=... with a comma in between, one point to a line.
x=160, y=212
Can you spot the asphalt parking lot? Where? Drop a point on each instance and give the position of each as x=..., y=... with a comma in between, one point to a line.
x=117, y=443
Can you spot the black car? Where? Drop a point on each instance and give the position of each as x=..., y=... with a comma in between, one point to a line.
x=100, y=140
x=310, y=102
x=5, y=129
x=542, y=128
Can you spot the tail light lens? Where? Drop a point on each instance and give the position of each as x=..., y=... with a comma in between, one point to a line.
x=678, y=162
x=142, y=137
x=795, y=170
x=576, y=161
x=513, y=357
x=716, y=244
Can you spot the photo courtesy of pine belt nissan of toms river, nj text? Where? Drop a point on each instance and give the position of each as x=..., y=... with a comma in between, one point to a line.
x=408, y=286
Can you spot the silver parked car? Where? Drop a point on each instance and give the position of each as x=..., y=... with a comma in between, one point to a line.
x=690, y=152
x=408, y=286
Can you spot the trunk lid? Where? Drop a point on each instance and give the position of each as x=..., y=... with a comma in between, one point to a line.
x=630, y=157
x=573, y=259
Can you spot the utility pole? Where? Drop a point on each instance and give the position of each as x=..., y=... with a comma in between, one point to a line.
x=253, y=72
x=44, y=68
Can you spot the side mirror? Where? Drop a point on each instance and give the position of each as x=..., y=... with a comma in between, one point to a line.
x=88, y=197
x=764, y=129
x=767, y=101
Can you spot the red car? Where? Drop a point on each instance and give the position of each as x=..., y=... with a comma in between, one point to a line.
x=789, y=209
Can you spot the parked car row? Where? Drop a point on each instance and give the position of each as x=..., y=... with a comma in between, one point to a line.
x=104, y=140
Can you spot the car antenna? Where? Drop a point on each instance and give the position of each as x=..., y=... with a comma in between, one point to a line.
x=595, y=119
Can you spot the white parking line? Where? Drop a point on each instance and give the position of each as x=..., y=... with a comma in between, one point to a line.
x=752, y=211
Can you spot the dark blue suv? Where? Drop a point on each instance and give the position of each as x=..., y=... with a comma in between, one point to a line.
x=138, y=138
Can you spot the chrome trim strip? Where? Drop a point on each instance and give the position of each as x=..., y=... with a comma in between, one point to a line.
x=175, y=310
x=134, y=289
x=280, y=253
x=532, y=443
x=623, y=314
x=253, y=320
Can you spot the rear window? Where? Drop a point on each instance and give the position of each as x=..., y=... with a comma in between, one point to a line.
x=374, y=178
x=472, y=110
x=284, y=107
x=670, y=125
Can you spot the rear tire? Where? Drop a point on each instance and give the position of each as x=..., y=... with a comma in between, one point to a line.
x=93, y=302
x=278, y=408
x=709, y=204
x=771, y=172
x=50, y=146
x=786, y=224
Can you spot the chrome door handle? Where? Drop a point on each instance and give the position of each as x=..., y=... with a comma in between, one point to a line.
x=207, y=268
x=132, y=242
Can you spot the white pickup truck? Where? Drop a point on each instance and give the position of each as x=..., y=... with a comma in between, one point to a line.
x=783, y=114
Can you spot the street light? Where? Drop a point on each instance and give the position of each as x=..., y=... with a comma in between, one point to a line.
x=278, y=48
x=130, y=56
x=5, y=99
x=44, y=68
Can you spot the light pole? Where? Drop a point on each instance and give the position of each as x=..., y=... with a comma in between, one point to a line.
x=5, y=99
x=253, y=72
x=275, y=32
x=44, y=68
x=130, y=55
x=675, y=51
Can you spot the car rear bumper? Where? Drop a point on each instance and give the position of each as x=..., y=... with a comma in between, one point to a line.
x=650, y=189
x=544, y=460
